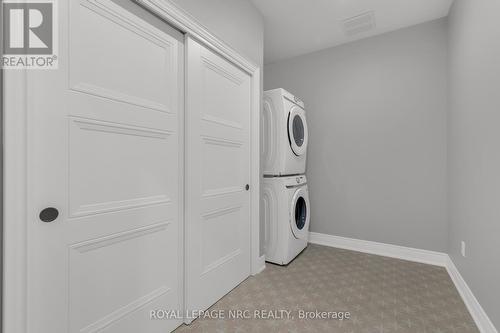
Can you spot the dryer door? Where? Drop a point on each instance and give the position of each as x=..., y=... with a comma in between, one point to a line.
x=299, y=213
x=297, y=130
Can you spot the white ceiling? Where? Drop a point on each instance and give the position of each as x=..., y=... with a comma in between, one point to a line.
x=296, y=27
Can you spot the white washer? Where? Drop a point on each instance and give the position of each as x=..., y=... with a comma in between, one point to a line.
x=285, y=134
x=286, y=211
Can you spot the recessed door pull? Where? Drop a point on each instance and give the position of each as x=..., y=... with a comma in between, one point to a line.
x=49, y=214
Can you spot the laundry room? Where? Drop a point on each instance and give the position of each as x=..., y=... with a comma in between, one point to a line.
x=250, y=166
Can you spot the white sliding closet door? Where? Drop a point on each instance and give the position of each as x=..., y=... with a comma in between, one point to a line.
x=105, y=152
x=218, y=108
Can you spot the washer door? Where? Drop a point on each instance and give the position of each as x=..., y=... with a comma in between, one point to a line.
x=297, y=130
x=299, y=214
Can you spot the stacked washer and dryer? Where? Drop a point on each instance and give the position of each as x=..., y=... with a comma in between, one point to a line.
x=285, y=198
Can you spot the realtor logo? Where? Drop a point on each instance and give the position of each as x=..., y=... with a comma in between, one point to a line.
x=29, y=30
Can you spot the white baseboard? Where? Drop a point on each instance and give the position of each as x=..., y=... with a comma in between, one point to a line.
x=260, y=266
x=477, y=312
x=480, y=317
x=381, y=249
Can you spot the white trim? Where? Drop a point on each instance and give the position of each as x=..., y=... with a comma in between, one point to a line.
x=477, y=312
x=179, y=18
x=381, y=249
x=182, y=178
x=261, y=265
x=14, y=202
x=480, y=317
x=255, y=175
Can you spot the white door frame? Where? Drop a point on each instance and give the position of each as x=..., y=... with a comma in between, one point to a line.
x=16, y=159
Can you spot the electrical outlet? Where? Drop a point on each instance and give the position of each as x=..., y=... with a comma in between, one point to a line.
x=462, y=249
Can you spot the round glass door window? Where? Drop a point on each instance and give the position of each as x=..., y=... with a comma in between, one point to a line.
x=298, y=130
x=300, y=213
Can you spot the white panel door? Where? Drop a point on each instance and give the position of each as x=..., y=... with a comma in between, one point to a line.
x=217, y=172
x=105, y=150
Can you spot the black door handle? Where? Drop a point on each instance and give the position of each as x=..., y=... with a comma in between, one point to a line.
x=49, y=214
x=247, y=187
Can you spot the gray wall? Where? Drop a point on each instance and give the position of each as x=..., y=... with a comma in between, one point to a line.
x=237, y=22
x=376, y=111
x=474, y=141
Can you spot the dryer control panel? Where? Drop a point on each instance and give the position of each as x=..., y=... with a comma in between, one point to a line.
x=294, y=181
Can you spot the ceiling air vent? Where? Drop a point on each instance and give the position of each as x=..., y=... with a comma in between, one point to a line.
x=359, y=23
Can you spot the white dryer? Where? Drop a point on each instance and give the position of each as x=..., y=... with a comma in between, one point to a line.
x=285, y=134
x=286, y=212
